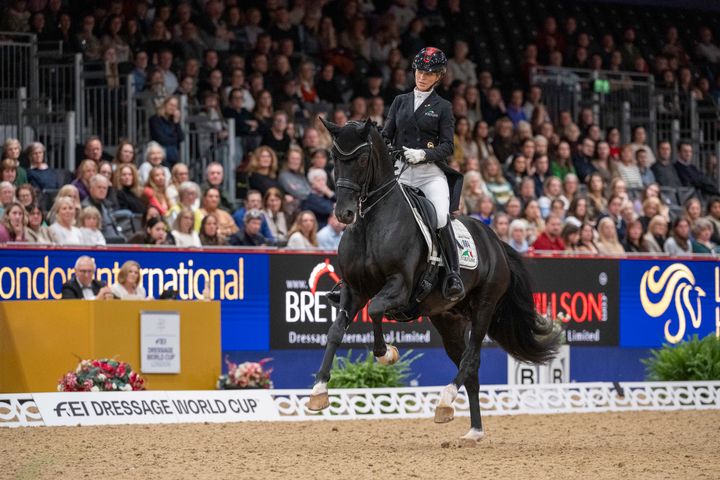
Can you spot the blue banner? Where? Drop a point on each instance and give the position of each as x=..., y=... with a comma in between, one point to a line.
x=665, y=302
x=239, y=280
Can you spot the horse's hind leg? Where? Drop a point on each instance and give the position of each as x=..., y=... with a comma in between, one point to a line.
x=349, y=307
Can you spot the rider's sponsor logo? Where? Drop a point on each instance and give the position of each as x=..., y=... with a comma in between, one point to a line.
x=672, y=295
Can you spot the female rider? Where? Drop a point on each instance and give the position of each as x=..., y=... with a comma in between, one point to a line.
x=423, y=123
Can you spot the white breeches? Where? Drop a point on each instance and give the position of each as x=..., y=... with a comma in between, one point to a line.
x=432, y=181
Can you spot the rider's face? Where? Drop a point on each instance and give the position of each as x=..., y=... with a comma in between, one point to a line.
x=425, y=80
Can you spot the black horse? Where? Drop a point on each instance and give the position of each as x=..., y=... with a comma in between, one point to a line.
x=382, y=254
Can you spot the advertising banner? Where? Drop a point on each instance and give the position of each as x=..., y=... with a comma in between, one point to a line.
x=585, y=291
x=300, y=316
x=113, y=408
x=238, y=280
x=665, y=302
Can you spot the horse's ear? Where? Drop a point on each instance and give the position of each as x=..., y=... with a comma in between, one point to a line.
x=366, y=128
x=331, y=127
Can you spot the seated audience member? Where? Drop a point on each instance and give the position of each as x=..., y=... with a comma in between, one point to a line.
x=70, y=192
x=90, y=226
x=11, y=150
x=254, y=200
x=124, y=154
x=646, y=174
x=40, y=175
x=83, y=284
x=154, y=157
x=179, y=174
x=497, y=185
x=26, y=195
x=7, y=195
x=690, y=175
x=128, y=285
x=211, y=204
x=188, y=197
x=571, y=236
x=63, y=230
x=702, y=232
x=111, y=201
x=634, y=240
x=627, y=168
x=156, y=233
x=664, y=168
x=86, y=170
x=274, y=215
x=37, y=231
x=126, y=183
x=250, y=235
x=329, y=236
x=550, y=238
x=500, y=225
x=614, y=213
x=713, y=216
x=303, y=234
x=587, y=239
x=485, y=210
x=608, y=243
x=292, y=177
x=262, y=169
x=148, y=213
x=184, y=229
x=321, y=200
x=209, y=235
x=656, y=234
x=518, y=238
x=678, y=242
x=155, y=190
x=473, y=189
x=96, y=198
x=13, y=224
x=214, y=177
x=8, y=171
x=166, y=130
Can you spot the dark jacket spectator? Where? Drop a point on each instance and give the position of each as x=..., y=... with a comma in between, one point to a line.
x=165, y=129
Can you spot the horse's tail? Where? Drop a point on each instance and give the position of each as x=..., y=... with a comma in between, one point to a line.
x=517, y=327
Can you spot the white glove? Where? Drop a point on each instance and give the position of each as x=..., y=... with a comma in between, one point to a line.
x=413, y=155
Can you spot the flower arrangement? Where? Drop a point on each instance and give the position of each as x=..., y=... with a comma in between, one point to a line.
x=245, y=375
x=105, y=375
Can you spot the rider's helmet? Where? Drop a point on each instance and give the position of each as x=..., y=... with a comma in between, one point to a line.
x=430, y=59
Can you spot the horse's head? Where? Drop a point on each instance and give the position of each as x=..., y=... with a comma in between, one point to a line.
x=355, y=145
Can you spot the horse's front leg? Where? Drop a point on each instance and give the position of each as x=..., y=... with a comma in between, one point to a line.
x=394, y=294
x=349, y=307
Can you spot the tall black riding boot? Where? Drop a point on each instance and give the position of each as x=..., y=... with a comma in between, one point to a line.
x=453, y=288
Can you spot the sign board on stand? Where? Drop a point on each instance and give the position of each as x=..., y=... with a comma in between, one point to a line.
x=160, y=342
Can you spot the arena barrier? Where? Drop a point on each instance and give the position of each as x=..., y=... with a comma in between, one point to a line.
x=148, y=407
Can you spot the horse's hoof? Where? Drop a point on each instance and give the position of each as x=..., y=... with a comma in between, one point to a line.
x=444, y=414
x=318, y=402
x=391, y=356
x=472, y=438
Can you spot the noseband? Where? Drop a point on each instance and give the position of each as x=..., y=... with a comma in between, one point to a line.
x=348, y=184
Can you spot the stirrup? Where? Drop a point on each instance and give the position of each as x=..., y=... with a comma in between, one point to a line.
x=333, y=296
x=453, y=296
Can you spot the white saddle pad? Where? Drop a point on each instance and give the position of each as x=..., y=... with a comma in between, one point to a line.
x=467, y=252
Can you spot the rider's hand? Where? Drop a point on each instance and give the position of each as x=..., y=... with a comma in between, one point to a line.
x=413, y=155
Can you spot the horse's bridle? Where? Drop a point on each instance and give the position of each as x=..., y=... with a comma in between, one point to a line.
x=346, y=183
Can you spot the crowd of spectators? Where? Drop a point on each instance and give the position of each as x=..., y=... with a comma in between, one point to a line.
x=273, y=67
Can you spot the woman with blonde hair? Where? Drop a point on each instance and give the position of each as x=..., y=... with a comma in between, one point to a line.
x=473, y=189
x=154, y=157
x=154, y=192
x=303, y=234
x=166, y=130
x=179, y=174
x=63, y=229
x=66, y=191
x=608, y=243
x=597, y=203
x=128, y=285
x=292, y=178
x=87, y=169
x=495, y=181
x=91, y=226
x=263, y=169
x=126, y=183
x=184, y=229
x=274, y=214
x=11, y=150
x=656, y=234
x=13, y=224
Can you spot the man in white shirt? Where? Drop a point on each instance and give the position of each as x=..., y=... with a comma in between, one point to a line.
x=83, y=284
x=329, y=236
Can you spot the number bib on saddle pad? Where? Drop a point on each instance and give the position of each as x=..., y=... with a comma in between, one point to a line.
x=467, y=252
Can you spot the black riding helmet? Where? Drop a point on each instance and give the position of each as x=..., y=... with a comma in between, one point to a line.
x=430, y=59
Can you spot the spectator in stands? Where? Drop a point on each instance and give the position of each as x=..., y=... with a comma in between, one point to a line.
x=484, y=210
x=656, y=234
x=7, y=194
x=37, y=231
x=532, y=215
x=713, y=216
x=329, y=236
x=245, y=123
x=139, y=71
x=9, y=170
x=639, y=141
x=570, y=186
x=550, y=238
x=646, y=174
x=561, y=164
x=702, y=233
x=274, y=215
x=321, y=199
x=601, y=161
x=582, y=161
x=634, y=241
x=277, y=137
x=126, y=184
x=179, y=174
x=262, y=169
x=215, y=178
x=128, y=285
x=500, y=225
x=155, y=191
x=105, y=169
x=517, y=171
x=93, y=149
x=63, y=230
x=86, y=41
x=497, y=185
x=13, y=225
x=97, y=198
x=597, y=203
x=184, y=231
x=211, y=204
x=692, y=210
x=517, y=232
x=154, y=157
x=460, y=66
x=608, y=243
x=209, y=235
x=515, y=110
x=83, y=284
x=552, y=190
x=473, y=189
x=627, y=168
x=689, y=174
x=250, y=235
x=12, y=150
x=263, y=111
x=586, y=243
x=494, y=109
x=571, y=236
x=577, y=211
x=678, y=242
x=87, y=170
x=303, y=234
x=166, y=130
x=664, y=169
x=292, y=178
x=156, y=233
x=40, y=175
x=706, y=50
x=90, y=227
